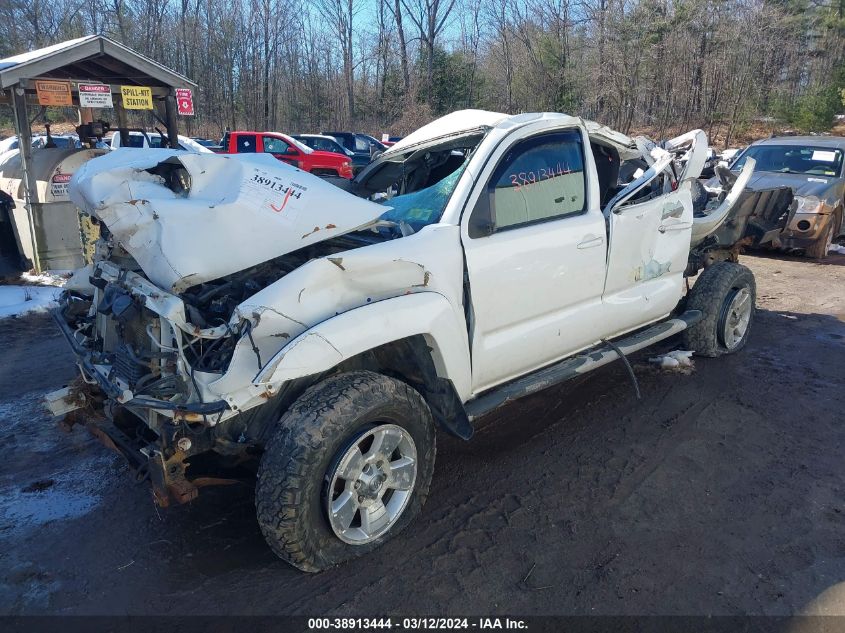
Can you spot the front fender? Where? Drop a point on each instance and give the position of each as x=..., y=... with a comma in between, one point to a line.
x=327, y=344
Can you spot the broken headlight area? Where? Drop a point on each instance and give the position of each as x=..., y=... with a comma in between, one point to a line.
x=118, y=342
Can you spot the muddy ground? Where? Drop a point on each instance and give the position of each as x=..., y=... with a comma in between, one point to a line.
x=721, y=492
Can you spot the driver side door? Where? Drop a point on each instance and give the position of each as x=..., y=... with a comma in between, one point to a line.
x=535, y=250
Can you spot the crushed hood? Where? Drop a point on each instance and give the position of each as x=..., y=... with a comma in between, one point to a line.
x=238, y=211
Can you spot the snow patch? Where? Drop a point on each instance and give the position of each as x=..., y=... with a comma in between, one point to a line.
x=680, y=360
x=836, y=248
x=17, y=301
x=48, y=278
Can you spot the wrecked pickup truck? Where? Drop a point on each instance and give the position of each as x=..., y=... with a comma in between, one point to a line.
x=245, y=320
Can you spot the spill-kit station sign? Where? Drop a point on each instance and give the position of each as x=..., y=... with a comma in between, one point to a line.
x=137, y=97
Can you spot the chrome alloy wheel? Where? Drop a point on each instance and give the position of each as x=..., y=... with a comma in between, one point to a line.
x=735, y=317
x=371, y=484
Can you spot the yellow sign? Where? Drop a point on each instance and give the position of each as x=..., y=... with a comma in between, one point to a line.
x=53, y=93
x=137, y=97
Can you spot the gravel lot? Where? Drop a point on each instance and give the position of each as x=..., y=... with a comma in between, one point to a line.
x=721, y=492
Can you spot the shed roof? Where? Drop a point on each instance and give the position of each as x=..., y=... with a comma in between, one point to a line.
x=94, y=58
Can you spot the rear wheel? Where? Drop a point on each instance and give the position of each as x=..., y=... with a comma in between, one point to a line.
x=348, y=467
x=725, y=293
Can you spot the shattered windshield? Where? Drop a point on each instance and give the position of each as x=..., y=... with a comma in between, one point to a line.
x=423, y=207
x=793, y=159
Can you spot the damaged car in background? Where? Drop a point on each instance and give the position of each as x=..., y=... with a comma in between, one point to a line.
x=813, y=169
x=243, y=320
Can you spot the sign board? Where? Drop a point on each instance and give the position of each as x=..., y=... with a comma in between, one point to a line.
x=95, y=96
x=137, y=97
x=184, y=102
x=59, y=184
x=53, y=93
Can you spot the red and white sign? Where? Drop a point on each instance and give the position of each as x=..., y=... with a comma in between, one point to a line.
x=59, y=184
x=95, y=96
x=184, y=102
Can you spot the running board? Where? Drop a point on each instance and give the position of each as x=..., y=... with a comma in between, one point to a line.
x=580, y=364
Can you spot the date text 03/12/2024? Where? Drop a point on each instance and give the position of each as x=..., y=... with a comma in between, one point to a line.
x=416, y=624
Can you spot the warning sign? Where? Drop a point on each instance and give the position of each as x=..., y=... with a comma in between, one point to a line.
x=53, y=93
x=95, y=96
x=59, y=184
x=184, y=102
x=137, y=97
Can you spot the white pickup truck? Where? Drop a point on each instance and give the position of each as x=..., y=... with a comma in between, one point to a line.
x=244, y=320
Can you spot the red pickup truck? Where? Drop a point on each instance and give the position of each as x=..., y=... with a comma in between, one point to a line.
x=287, y=150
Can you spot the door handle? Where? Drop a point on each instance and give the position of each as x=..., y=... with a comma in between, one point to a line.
x=591, y=242
x=677, y=226
x=672, y=210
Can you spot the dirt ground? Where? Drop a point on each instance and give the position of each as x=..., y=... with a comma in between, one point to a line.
x=721, y=492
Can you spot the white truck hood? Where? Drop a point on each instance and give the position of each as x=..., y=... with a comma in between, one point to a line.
x=239, y=211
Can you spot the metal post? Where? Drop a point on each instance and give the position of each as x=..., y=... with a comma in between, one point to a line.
x=30, y=189
x=121, y=123
x=170, y=114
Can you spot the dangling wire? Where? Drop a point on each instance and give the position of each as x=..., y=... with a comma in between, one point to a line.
x=630, y=369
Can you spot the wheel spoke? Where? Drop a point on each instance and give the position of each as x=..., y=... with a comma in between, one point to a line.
x=402, y=474
x=344, y=508
x=374, y=518
x=385, y=442
x=352, y=465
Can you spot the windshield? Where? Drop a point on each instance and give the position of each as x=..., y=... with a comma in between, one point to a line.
x=425, y=206
x=793, y=159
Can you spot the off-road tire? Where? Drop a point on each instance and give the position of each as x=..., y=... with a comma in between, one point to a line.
x=818, y=249
x=289, y=495
x=713, y=288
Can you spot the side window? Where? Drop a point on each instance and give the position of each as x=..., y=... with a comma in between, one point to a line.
x=273, y=145
x=245, y=143
x=362, y=144
x=539, y=179
x=323, y=145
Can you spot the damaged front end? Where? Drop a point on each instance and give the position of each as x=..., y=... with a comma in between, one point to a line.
x=153, y=322
x=207, y=271
x=138, y=391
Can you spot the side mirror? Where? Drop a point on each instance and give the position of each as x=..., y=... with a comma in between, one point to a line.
x=291, y=151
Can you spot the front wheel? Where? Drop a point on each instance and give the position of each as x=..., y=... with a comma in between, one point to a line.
x=725, y=293
x=348, y=467
x=819, y=249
